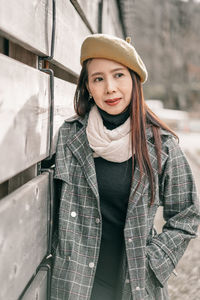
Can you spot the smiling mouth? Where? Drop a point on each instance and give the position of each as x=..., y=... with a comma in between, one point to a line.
x=113, y=101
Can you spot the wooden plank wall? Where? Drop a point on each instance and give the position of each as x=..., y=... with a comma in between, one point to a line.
x=29, y=126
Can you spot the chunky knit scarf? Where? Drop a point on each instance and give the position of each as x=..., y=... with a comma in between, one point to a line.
x=113, y=145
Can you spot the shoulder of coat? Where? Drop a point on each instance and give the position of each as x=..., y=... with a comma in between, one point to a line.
x=163, y=133
x=76, y=118
x=168, y=140
x=71, y=126
x=72, y=119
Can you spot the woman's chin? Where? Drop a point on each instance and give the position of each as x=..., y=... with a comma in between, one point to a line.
x=114, y=110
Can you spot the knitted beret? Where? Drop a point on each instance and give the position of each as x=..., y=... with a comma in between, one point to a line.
x=113, y=48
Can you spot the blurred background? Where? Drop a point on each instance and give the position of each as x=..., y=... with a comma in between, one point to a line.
x=166, y=34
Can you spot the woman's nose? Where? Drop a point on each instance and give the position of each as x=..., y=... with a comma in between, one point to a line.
x=110, y=86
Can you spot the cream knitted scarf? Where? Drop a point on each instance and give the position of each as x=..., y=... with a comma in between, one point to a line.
x=113, y=145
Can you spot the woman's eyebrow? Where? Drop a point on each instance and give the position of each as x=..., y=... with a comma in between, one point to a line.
x=112, y=71
x=97, y=73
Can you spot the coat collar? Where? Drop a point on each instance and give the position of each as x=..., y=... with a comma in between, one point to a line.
x=80, y=148
x=76, y=118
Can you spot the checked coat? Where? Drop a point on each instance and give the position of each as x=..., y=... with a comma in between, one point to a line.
x=149, y=258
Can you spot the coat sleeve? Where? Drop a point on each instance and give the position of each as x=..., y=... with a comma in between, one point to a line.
x=59, y=173
x=181, y=212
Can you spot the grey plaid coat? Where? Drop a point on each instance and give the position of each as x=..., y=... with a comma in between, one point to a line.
x=149, y=258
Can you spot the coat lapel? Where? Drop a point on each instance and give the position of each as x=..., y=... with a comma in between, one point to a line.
x=136, y=190
x=137, y=193
x=80, y=148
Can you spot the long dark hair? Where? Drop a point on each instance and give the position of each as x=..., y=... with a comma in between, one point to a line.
x=141, y=118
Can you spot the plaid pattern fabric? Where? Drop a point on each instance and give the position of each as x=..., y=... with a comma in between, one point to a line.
x=150, y=258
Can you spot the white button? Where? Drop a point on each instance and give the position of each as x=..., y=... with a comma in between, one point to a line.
x=129, y=240
x=127, y=281
x=97, y=220
x=68, y=258
x=137, y=288
x=73, y=214
x=91, y=265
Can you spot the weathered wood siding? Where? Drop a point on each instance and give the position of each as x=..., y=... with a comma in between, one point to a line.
x=24, y=116
x=23, y=234
x=33, y=105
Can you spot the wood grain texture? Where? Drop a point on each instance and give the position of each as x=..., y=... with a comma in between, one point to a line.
x=23, y=55
x=23, y=235
x=38, y=288
x=24, y=117
x=33, y=32
x=27, y=23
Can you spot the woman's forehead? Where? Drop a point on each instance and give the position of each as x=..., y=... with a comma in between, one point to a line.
x=102, y=65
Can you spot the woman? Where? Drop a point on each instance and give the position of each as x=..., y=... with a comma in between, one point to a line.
x=117, y=163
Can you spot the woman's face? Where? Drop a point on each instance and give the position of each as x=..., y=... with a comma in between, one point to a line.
x=110, y=85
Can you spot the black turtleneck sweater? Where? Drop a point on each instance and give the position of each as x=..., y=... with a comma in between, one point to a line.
x=114, y=182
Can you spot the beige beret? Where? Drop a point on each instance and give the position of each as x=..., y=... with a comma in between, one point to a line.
x=113, y=48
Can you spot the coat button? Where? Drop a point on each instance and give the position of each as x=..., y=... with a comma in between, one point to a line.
x=130, y=240
x=91, y=265
x=97, y=220
x=73, y=214
x=137, y=288
x=127, y=281
x=68, y=258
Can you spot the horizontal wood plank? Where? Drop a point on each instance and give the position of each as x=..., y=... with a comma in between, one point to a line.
x=34, y=29
x=23, y=235
x=38, y=287
x=28, y=23
x=22, y=178
x=23, y=55
x=24, y=116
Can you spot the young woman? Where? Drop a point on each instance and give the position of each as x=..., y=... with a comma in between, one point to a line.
x=117, y=163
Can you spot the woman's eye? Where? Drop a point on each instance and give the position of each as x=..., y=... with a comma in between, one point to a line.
x=118, y=75
x=98, y=79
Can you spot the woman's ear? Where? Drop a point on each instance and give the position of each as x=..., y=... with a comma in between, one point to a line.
x=87, y=86
x=90, y=95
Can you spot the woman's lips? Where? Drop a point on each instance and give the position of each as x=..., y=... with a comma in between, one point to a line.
x=113, y=101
